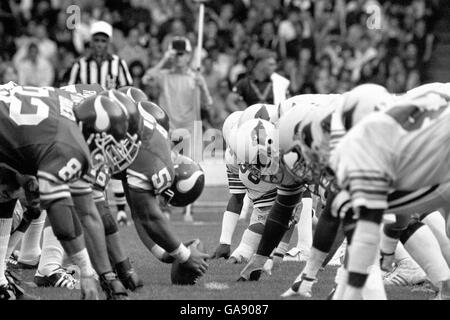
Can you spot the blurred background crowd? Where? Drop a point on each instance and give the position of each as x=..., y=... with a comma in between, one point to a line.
x=322, y=46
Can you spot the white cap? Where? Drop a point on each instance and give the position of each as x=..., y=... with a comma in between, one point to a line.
x=101, y=27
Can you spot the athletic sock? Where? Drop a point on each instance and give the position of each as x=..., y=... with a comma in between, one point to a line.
x=5, y=230
x=30, y=249
x=304, y=226
x=316, y=258
x=52, y=255
x=229, y=222
x=436, y=222
x=249, y=243
x=424, y=249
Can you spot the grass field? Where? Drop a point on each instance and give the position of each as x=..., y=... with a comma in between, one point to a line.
x=220, y=281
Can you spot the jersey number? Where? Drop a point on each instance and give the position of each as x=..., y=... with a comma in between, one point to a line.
x=161, y=180
x=42, y=109
x=251, y=177
x=71, y=170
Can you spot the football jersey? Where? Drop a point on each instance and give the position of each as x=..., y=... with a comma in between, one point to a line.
x=39, y=136
x=401, y=148
x=153, y=169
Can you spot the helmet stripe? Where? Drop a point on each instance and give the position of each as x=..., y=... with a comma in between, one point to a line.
x=102, y=122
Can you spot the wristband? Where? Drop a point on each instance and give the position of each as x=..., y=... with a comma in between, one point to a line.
x=182, y=253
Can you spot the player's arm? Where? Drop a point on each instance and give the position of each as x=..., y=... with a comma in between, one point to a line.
x=231, y=215
x=149, y=218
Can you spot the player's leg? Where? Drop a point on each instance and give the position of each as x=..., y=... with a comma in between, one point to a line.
x=30, y=250
x=324, y=236
x=6, y=215
x=390, y=236
x=96, y=244
x=50, y=272
x=363, y=251
x=19, y=226
x=251, y=237
x=119, y=201
x=119, y=258
x=423, y=247
x=301, y=251
x=276, y=225
x=436, y=222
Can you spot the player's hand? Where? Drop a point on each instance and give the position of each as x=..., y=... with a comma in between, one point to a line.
x=197, y=261
x=89, y=289
x=222, y=251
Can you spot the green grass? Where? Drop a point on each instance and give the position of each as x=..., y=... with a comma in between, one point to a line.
x=156, y=275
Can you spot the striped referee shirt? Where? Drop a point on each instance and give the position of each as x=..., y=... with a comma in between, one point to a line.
x=111, y=73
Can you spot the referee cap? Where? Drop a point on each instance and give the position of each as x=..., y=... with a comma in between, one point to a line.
x=101, y=27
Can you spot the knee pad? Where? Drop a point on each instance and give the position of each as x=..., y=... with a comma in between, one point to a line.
x=410, y=230
x=259, y=216
x=67, y=230
x=109, y=224
x=281, y=214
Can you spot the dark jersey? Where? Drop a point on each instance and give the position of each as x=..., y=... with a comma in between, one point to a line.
x=152, y=170
x=39, y=136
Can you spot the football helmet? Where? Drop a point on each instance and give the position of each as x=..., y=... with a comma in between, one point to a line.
x=188, y=182
x=132, y=143
x=361, y=101
x=256, y=144
x=262, y=111
x=229, y=123
x=314, y=132
x=292, y=158
x=104, y=125
x=160, y=115
x=135, y=94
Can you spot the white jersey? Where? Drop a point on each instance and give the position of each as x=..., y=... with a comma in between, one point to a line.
x=403, y=148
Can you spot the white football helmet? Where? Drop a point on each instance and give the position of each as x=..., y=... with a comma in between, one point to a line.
x=314, y=132
x=262, y=111
x=256, y=144
x=229, y=123
x=361, y=101
x=291, y=155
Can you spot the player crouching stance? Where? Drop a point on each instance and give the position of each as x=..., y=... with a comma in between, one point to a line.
x=41, y=137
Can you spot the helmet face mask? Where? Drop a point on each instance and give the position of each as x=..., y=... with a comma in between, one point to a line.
x=117, y=155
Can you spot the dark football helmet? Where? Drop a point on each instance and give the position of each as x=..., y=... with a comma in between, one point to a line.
x=135, y=94
x=132, y=143
x=188, y=183
x=104, y=125
x=157, y=112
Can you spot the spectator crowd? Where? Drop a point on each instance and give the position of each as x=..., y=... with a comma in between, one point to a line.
x=322, y=46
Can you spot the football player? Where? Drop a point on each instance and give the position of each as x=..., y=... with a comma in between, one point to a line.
x=157, y=172
x=40, y=137
x=350, y=115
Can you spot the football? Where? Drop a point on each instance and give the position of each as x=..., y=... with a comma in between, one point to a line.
x=179, y=274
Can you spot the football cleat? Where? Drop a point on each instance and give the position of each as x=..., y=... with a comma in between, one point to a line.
x=60, y=278
x=405, y=273
x=254, y=268
x=302, y=286
x=295, y=254
x=113, y=288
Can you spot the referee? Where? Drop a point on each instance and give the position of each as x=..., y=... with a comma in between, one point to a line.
x=98, y=66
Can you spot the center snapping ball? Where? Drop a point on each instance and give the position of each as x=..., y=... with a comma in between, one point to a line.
x=180, y=274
